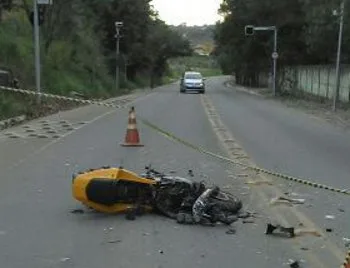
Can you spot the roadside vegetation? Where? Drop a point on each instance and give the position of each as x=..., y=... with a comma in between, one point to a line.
x=205, y=64
x=307, y=45
x=307, y=36
x=78, y=50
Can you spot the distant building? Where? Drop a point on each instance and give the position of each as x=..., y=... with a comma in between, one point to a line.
x=201, y=51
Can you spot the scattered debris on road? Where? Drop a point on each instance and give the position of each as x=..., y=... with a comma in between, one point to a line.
x=114, y=241
x=330, y=217
x=287, y=201
x=116, y=190
x=231, y=231
x=346, y=241
x=259, y=182
x=65, y=259
x=270, y=229
x=77, y=211
x=248, y=221
x=294, y=264
x=290, y=231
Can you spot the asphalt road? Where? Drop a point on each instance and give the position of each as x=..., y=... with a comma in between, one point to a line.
x=37, y=228
x=289, y=141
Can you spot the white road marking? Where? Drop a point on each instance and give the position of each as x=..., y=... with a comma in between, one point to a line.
x=43, y=148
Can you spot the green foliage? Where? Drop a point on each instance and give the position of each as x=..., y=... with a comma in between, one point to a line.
x=78, y=47
x=206, y=65
x=307, y=35
x=198, y=35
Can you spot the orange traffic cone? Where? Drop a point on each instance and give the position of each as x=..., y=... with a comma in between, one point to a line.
x=132, y=138
x=347, y=261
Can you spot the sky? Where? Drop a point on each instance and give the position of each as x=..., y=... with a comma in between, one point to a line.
x=191, y=12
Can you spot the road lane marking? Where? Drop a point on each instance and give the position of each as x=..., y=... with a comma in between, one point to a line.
x=46, y=146
x=217, y=123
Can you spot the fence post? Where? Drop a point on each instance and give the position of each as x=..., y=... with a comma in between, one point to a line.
x=312, y=80
x=319, y=81
x=328, y=75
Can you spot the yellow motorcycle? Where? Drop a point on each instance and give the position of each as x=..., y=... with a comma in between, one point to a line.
x=117, y=190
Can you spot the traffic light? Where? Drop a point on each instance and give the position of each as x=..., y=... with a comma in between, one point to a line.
x=249, y=30
x=41, y=16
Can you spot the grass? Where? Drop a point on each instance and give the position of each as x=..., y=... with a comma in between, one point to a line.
x=69, y=65
x=206, y=65
x=66, y=66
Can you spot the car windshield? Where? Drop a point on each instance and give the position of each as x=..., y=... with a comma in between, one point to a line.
x=193, y=76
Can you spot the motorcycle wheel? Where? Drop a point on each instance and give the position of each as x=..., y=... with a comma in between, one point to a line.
x=228, y=202
x=163, y=205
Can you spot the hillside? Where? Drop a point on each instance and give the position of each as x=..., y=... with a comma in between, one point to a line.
x=199, y=36
x=78, y=50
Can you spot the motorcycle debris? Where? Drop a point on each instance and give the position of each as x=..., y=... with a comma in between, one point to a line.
x=347, y=242
x=77, y=211
x=304, y=248
x=341, y=210
x=231, y=231
x=130, y=215
x=161, y=251
x=114, y=241
x=248, y=221
x=260, y=182
x=330, y=217
x=245, y=215
x=288, y=201
x=294, y=264
x=64, y=259
x=284, y=230
x=329, y=230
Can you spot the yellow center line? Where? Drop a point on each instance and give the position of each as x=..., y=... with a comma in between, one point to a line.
x=223, y=134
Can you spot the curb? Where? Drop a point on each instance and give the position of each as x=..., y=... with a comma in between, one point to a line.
x=12, y=121
x=242, y=89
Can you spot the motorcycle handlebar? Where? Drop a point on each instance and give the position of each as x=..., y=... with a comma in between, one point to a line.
x=153, y=171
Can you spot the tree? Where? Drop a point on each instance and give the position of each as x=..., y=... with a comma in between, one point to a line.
x=5, y=5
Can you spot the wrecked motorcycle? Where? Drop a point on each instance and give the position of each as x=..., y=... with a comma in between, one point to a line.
x=117, y=190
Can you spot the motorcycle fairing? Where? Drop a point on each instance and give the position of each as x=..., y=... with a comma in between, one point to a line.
x=112, y=190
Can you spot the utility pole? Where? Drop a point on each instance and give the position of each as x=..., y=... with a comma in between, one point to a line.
x=249, y=30
x=37, y=19
x=37, y=50
x=275, y=57
x=337, y=71
x=118, y=25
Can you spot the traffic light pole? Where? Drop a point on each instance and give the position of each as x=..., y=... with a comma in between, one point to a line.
x=249, y=30
x=274, y=57
x=340, y=40
x=37, y=50
x=118, y=25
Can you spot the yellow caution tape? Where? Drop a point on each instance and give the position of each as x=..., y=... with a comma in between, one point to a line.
x=276, y=174
x=186, y=143
x=346, y=263
x=58, y=97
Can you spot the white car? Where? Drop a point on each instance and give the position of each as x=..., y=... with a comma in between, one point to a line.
x=192, y=81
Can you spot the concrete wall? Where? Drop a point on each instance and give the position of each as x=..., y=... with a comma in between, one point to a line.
x=317, y=80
